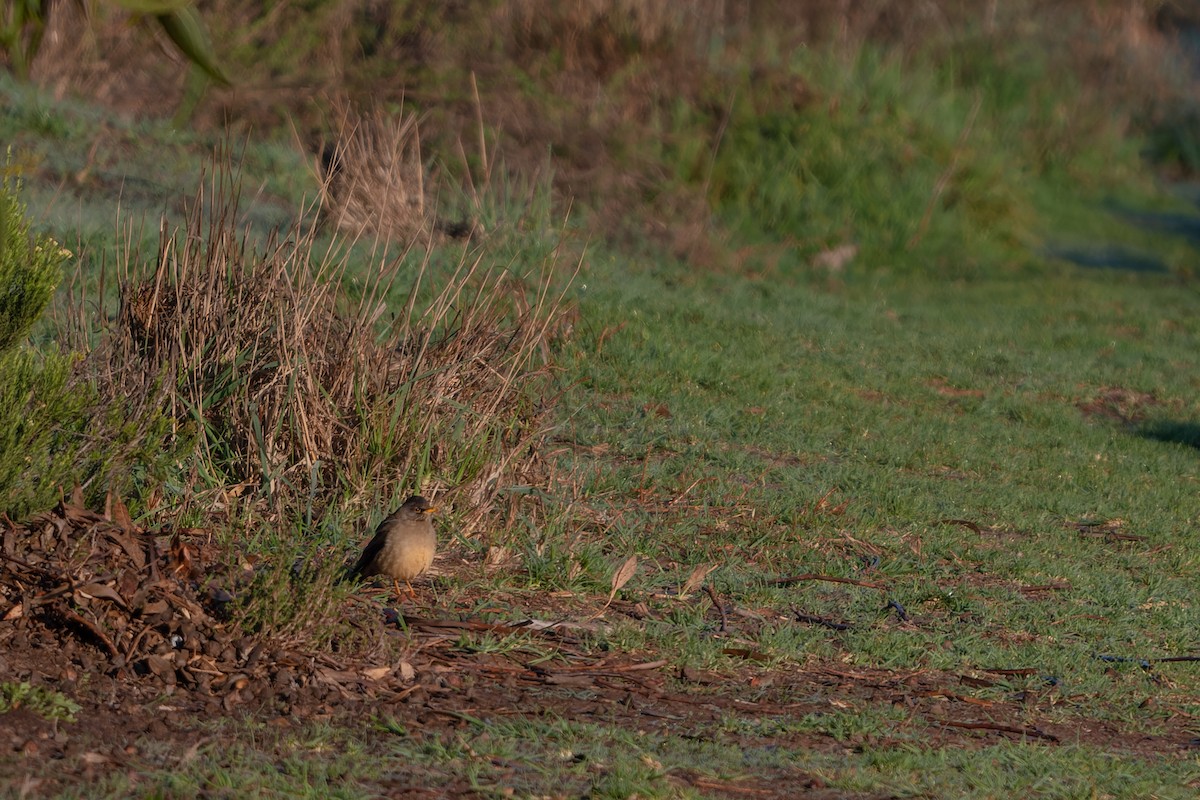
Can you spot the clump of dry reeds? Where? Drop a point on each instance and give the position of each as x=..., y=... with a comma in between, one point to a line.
x=373, y=181
x=294, y=385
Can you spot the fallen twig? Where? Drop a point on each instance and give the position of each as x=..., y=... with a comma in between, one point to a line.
x=900, y=612
x=992, y=726
x=1045, y=587
x=91, y=627
x=601, y=668
x=813, y=576
x=717, y=604
x=1110, y=534
x=827, y=623
x=961, y=698
x=966, y=523
x=1144, y=663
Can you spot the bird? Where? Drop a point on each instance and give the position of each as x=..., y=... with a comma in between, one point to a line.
x=403, y=546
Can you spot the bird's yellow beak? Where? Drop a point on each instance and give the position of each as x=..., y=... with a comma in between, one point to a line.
x=430, y=510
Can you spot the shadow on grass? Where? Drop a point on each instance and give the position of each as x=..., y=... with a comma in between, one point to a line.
x=1172, y=431
x=1117, y=256
x=1108, y=257
x=1175, y=223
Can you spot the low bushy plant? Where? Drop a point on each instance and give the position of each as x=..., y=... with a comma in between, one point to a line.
x=30, y=266
x=54, y=430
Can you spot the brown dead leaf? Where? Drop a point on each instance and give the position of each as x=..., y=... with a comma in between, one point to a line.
x=156, y=607
x=335, y=677
x=129, y=584
x=160, y=665
x=115, y=510
x=619, y=579
x=182, y=557
x=75, y=514
x=131, y=547
x=622, y=576
x=102, y=591
x=696, y=579
x=376, y=673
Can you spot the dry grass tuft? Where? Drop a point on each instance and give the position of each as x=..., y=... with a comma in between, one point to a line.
x=373, y=180
x=311, y=384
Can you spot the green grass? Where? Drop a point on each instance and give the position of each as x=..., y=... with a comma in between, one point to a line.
x=913, y=402
x=529, y=757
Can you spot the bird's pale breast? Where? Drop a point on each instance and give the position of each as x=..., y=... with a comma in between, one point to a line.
x=407, y=554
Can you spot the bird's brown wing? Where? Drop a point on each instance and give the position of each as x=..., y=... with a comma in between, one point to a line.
x=369, y=553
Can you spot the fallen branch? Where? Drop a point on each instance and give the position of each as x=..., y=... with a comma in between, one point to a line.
x=90, y=627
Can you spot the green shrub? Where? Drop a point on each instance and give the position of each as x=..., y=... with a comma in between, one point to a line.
x=30, y=267
x=55, y=433
x=37, y=419
x=54, y=430
x=874, y=153
x=948, y=161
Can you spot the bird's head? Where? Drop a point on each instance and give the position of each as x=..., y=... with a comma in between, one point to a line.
x=417, y=507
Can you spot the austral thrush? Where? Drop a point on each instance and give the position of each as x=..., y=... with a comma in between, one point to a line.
x=403, y=547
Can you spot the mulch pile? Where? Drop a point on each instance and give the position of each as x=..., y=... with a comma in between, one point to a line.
x=88, y=593
x=84, y=592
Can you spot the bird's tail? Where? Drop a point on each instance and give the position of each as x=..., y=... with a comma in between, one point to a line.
x=355, y=572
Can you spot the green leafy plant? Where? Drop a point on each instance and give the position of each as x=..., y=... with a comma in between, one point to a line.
x=30, y=266
x=38, y=699
x=54, y=431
